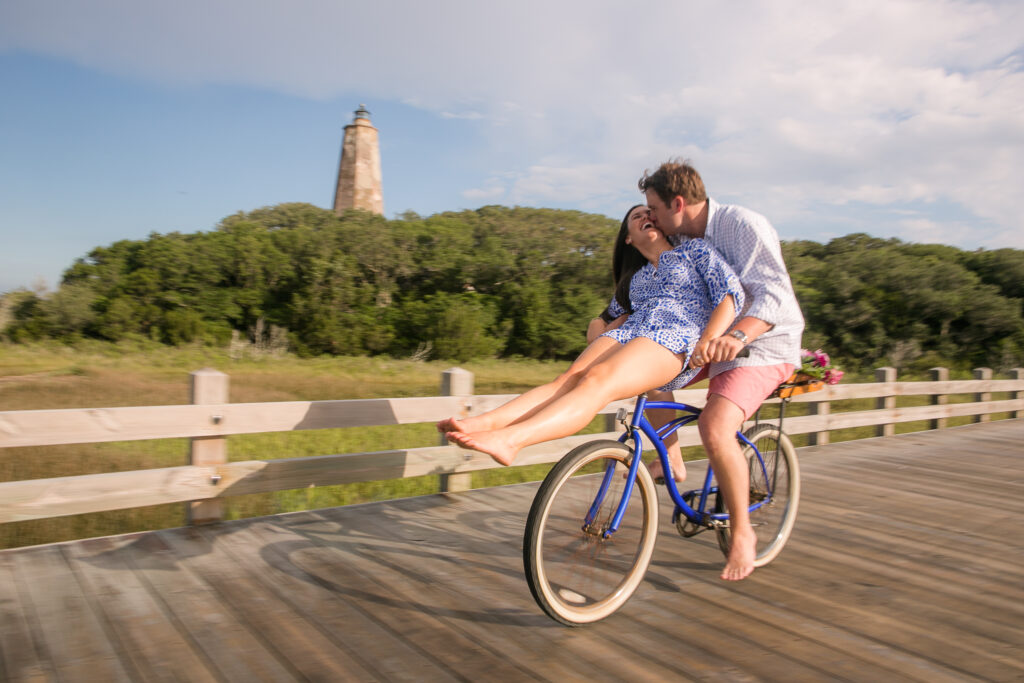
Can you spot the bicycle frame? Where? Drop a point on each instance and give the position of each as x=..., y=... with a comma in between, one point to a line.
x=639, y=424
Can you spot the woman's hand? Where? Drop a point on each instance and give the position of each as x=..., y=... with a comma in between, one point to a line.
x=698, y=358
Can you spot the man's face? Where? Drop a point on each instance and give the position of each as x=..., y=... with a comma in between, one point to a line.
x=662, y=215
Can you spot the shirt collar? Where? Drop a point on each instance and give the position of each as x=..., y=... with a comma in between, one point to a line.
x=709, y=231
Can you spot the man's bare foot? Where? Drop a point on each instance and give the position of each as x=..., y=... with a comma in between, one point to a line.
x=742, y=551
x=678, y=471
x=490, y=443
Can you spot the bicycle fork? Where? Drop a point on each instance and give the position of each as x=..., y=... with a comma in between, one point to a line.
x=627, y=491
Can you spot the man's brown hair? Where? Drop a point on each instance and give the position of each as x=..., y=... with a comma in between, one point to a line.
x=675, y=177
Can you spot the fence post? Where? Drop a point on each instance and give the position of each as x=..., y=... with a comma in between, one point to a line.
x=885, y=402
x=1017, y=373
x=939, y=375
x=822, y=409
x=984, y=396
x=456, y=382
x=209, y=387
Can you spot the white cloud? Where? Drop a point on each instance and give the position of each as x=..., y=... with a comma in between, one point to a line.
x=489, y=193
x=789, y=107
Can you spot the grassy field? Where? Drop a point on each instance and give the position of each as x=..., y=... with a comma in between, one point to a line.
x=106, y=375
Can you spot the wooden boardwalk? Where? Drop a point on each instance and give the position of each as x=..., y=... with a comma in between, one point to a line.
x=907, y=563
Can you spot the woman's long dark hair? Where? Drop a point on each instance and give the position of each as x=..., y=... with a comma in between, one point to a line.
x=626, y=260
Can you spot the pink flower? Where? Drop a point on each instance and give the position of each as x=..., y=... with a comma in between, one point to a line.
x=821, y=358
x=833, y=376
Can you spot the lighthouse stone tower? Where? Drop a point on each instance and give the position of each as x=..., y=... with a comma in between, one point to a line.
x=359, y=185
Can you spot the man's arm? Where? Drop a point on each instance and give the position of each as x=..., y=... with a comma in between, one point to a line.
x=723, y=348
x=752, y=248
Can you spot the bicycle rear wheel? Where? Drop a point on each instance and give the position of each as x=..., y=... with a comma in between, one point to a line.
x=776, y=486
x=576, y=575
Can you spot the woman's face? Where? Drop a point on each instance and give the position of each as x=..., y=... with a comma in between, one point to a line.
x=640, y=228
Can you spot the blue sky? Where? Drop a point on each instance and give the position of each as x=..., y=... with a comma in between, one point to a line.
x=120, y=118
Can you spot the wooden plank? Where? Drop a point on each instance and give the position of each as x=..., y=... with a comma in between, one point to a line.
x=227, y=643
x=803, y=424
x=837, y=392
x=468, y=551
x=157, y=650
x=285, y=633
x=980, y=592
x=876, y=609
x=927, y=508
x=74, y=640
x=481, y=564
x=20, y=658
x=744, y=623
x=265, y=550
x=907, y=563
x=92, y=425
x=378, y=572
x=665, y=654
x=39, y=498
x=902, y=579
x=59, y=496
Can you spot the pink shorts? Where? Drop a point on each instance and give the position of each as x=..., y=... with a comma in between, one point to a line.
x=749, y=385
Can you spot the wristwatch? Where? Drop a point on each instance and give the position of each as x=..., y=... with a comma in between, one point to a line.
x=738, y=334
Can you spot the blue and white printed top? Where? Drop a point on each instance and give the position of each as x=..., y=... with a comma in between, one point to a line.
x=673, y=302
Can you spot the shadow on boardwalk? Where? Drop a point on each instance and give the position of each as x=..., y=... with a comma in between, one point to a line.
x=906, y=564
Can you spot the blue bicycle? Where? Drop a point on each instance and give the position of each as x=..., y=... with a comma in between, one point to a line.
x=592, y=527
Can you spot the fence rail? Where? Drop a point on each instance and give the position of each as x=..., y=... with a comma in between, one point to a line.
x=210, y=419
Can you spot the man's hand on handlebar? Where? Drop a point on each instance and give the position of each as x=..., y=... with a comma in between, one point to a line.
x=717, y=350
x=721, y=349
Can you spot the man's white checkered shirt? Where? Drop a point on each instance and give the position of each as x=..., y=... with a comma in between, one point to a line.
x=751, y=246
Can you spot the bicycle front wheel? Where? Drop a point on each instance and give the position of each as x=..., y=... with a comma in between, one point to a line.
x=576, y=574
x=774, y=489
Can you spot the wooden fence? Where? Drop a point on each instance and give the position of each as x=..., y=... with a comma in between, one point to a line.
x=209, y=476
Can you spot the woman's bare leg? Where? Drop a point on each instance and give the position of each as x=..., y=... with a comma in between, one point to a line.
x=524, y=405
x=629, y=370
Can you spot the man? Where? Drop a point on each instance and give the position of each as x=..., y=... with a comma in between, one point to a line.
x=771, y=324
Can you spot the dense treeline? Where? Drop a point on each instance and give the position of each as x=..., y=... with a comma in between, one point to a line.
x=495, y=281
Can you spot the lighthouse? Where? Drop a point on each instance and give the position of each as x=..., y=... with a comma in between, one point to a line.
x=359, y=185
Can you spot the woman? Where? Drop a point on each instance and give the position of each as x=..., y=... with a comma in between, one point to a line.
x=677, y=301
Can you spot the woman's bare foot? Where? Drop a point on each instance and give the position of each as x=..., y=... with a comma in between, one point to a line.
x=742, y=551
x=678, y=470
x=490, y=443
x=476, y=423
x=449, y=424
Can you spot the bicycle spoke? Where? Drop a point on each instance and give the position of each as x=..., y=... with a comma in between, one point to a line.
x=576, y=573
